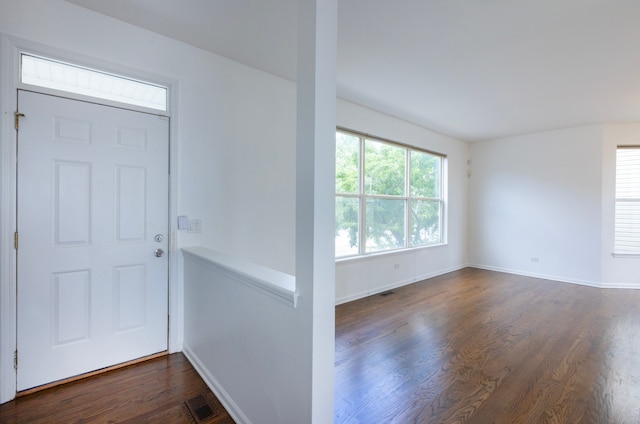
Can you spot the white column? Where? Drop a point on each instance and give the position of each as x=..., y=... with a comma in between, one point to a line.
x=315, y=194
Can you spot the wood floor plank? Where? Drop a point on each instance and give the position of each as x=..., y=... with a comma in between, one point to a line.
x=477, y=346
x=148, y=392
x=472, y=346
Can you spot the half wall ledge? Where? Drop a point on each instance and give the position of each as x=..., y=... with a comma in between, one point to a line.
x=278, y=285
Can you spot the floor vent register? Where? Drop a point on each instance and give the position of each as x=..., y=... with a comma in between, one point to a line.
x=200, y=409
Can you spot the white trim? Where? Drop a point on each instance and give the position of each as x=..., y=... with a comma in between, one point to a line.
x=625, y=237
x=355, y=258
x=397, y=284
x=632, y=286
x=599, y=285
x=625, y=255
x=25, y=46
x=46, y=72
x=402, y=283
x=8, y=303
x=9, y=83
x=176, y=282
x=232, y=408
x=276, y=284
x=406, y=197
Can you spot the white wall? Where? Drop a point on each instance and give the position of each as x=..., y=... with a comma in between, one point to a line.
x=356, y=278
x=237, y=170
x=539, y=196
x=234, y=128
x=239, y=339
x=532, y=196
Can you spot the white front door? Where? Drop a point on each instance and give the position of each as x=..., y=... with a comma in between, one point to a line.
x=93, y=230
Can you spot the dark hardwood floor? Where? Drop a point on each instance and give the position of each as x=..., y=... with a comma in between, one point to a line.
x=472, y=346
x=479, y=347
x=149, y=392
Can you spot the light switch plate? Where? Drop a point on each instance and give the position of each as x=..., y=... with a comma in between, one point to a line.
x=195, y=226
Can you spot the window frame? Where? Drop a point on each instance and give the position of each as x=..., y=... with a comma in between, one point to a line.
x=617, y=251
x=83, y=84
x=406, y=197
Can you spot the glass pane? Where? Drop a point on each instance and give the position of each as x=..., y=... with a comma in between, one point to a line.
x=385, y=224
x=628, y=173
x=627, y=239
x=347, y=163
x=425, y=175
x=384, y=168
x=49, y=73
x=425, y=222
x=347, y=236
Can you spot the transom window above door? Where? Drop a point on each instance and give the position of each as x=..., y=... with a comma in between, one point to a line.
x=49, y=73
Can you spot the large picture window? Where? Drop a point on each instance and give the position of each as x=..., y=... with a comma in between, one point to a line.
x=627, y=221
x=388, y=196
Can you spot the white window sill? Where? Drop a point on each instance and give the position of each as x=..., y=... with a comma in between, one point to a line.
x=388, y=252
x=625, y=255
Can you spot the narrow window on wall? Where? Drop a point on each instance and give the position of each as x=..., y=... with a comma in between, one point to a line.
x=627, y=216
x=388, y=196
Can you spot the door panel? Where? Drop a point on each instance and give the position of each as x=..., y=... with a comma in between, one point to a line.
x=92, y=194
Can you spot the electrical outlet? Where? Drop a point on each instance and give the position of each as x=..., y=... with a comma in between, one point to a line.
x=535, y=259
x=396, y=266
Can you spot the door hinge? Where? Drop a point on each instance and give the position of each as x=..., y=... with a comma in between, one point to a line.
x=15, y=359
x=17, y=116
x=15, y=240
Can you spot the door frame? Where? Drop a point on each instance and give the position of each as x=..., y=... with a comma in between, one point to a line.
x=10, y=48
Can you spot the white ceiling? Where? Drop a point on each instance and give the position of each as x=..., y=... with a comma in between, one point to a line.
x=471, y=69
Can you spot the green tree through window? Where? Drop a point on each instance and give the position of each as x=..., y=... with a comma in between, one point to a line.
x=348, y=185
x=388, y=196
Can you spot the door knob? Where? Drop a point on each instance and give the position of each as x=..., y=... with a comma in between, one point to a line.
x=159, y=253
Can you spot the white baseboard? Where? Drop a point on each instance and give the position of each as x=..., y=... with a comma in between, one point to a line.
x=634, y=286
x=396, y=284
x=232, y=408
x=595, y=284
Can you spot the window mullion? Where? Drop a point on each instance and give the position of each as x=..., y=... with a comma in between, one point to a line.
x=363, y=201
x=442, y=227
x=407, y=198
x=430, y=221
x=385, y=196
